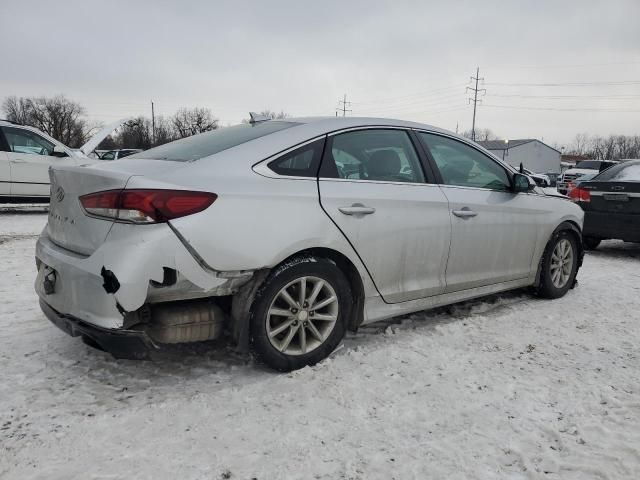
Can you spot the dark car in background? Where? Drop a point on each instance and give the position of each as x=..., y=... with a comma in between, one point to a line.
x=611, y=204
x=584, y=167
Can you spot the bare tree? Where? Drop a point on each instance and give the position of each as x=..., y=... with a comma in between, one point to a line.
x=57, y=116
x=482, y=134
x=613, y=147
x=271, y=114
x=135, y=133
x=189, y=122
x=275, y=115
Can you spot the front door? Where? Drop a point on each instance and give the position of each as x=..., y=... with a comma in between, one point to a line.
x=5, y=173
x=30, y=156
x=373, y=187
x=494, y=231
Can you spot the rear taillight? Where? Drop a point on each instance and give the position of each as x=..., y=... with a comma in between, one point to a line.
x=145, y=206
x=580, y=195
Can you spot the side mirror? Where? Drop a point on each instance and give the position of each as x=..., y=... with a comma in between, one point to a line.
x=58, y=151
x=521, y=183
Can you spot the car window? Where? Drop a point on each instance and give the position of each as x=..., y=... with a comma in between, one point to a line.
x=302, y=162
x=462, y=165
x=215, y=141
x=376, y=155
x=621, y=173
x=108, y=156
x=25, y=141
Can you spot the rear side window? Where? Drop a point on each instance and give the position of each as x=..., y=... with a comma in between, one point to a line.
x=210, y=143
x=302, y=162
x=621, y=173
x=374, y=154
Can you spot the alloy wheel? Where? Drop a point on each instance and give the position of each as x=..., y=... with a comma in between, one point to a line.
x=561, y=263
x=302, y=315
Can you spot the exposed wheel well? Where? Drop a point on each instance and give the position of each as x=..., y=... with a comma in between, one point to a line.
x=243, y=299
x=572, y=228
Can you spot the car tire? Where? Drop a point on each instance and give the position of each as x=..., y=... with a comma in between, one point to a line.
x=287, y=334
x=559, y=270
x=590, y=243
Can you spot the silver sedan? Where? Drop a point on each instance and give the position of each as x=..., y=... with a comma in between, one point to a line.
x=286, y=234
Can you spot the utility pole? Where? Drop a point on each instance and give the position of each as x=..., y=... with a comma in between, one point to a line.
x=153, y=124
x=475, y=100
x=344, y=108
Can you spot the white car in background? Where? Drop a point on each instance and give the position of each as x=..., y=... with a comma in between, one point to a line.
x=26, y=154
x=541, y=179
x=287, y=233
x=585, y=167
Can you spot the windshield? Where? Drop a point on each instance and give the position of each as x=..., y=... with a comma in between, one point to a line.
x=589, y=164
x=210, y=143
x=624, y=172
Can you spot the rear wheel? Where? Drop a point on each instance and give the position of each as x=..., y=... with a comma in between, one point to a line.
x=559, y=266
x=300, y=314
x=590, y=243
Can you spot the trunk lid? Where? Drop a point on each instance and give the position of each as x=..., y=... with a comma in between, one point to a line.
x=99, y=136
x=613, y=197
x=68, y=226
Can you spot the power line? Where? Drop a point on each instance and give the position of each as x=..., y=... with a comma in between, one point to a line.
x=621, y=97
x=450, y=99
x=475, y=100
x=408, y=97
x=515, y=107
x=345, y=104
x=565, y=84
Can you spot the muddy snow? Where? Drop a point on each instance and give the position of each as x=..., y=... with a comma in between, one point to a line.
x=507, y=387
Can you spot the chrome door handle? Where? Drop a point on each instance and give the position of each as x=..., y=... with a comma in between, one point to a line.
x=357, y=209
x=465, y=213
x=18, y=161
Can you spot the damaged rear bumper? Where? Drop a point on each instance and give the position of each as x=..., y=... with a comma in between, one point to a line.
x=126, y=344
x=126, y=272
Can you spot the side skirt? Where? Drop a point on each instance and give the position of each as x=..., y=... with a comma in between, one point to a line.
x=376, y=309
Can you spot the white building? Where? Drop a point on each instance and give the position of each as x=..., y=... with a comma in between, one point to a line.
x=533, y=154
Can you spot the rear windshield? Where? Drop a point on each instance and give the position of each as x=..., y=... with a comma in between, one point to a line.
x=589, y=164
x=629, y=172
x=210, y=143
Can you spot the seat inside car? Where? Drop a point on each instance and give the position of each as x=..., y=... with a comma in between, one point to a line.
x=384, y=165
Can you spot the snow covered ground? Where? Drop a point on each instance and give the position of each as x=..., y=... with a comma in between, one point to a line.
x=509, y=387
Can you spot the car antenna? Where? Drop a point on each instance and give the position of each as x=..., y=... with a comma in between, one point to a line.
x=521, y=168
x=257, y=118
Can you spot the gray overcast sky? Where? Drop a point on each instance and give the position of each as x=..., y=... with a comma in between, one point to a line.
x=409, y=60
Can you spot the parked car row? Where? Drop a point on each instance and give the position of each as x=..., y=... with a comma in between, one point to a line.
x=288, y=233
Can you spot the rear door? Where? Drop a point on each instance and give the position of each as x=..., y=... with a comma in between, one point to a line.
x=494, y=231
x=373, y=187
x=30, y=156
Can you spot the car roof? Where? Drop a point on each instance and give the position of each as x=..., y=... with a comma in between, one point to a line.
x=337, y=123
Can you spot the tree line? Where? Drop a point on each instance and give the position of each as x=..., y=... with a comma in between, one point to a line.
x=66, y=121
x=613, y=147
x=596, y=147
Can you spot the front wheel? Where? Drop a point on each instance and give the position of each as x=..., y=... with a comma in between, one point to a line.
x=300, y=314
x=559, y=265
